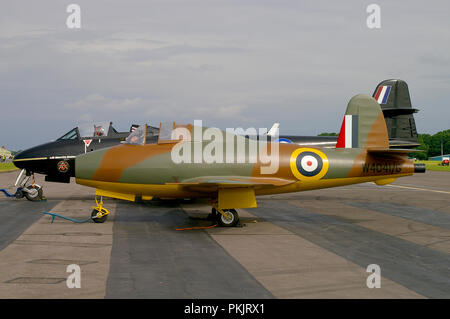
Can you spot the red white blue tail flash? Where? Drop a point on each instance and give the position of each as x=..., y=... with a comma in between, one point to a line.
x=382, y=94
x=348, y=136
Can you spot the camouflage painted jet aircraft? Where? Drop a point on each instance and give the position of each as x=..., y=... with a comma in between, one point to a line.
x=139, y=170
x=56, y=159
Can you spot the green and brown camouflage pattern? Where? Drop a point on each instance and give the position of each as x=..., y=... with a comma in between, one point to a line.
x=148, y=170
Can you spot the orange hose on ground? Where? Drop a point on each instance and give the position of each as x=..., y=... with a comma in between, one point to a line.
x=196, y=228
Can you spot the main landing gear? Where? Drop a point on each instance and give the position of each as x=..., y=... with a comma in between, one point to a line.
x=33, y=192
x=99, y=214
x=226, y=217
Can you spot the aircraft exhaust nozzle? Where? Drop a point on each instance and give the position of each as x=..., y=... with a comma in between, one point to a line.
x=419, y=168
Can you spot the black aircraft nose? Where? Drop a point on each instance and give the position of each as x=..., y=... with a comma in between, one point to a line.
x=20, y=159
x=33, y=160
x=30, y=154
x=21, y=156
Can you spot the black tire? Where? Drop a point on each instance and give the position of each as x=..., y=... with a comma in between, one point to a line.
x=100, y=219
x=35, y=195
x=213, y=215
x=231, y=221
x=19, y=194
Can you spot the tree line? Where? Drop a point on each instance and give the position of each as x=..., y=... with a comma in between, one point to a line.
x=430, y=144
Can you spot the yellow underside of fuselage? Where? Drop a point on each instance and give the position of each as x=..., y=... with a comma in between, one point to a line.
x=181, y=191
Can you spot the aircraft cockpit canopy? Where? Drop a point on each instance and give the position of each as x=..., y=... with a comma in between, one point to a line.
x=173, y=133
x=71, y=135
x=137, y=136
x=94, y=130
x=166, y=133
x=97, y=130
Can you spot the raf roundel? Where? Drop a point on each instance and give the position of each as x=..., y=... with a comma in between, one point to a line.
x=309, y=164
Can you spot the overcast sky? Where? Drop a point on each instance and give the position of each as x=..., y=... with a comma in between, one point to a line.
x=230, y=63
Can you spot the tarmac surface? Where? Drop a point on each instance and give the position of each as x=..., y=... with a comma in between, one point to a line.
x=315, y=244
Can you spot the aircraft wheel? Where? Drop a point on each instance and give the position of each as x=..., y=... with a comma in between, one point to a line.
x=98, y=219
x=230, y=219
x=214, y=214
x=19, y=194
x=33, y=193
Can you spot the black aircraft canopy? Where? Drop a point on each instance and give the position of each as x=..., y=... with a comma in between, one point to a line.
x=49, y=158
x=91, y=131
x=71, y=135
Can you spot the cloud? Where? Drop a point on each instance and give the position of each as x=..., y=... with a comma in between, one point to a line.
x=103, y=104
x=230, y=63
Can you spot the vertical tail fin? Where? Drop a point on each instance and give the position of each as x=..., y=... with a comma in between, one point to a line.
x=393, y=97
x=363, y=125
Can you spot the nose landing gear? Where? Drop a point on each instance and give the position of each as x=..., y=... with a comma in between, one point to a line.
x=33, y=192
x=99, y=214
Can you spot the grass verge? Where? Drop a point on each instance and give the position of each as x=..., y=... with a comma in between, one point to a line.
x=434, y=166
x=5, y=167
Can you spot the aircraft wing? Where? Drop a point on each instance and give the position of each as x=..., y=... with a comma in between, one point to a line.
x=214, y=182
x=233, y=191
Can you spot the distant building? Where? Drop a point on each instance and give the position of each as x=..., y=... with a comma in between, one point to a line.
x=438, y=158
x=4, y=154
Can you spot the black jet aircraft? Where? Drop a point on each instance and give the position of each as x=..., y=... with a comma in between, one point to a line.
x=56, y=160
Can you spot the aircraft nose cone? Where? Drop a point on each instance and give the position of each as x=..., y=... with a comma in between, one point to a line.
x=20, y=156
x=27, y=155
x=37, y=152
x=20, y=160
x=32, y=160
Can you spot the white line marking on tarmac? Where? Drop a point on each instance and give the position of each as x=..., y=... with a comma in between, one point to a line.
x=420, y=189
